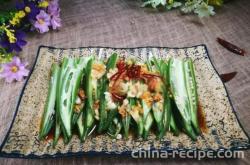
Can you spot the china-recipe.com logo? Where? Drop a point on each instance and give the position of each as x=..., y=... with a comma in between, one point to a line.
x=192, y=154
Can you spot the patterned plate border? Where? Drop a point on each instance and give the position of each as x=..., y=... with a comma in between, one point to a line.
x=92, y=153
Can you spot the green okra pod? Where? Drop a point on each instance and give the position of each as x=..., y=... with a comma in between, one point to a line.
x=49, y=112
x=137, y=118
x=167, y=101
x=173, y=126
x=166, y=116
x=72, y=72
x=147, y=125
x=58, y=122
x=192, y=93
x=157, y=113
x=115, y=128
x=112, y=113
x=104, y=123
x=146, y=110
x=80, y=126
x=178, y=87
x=78, y=76
x=126, y=125
x=157, y=109
x=89, y=111
x=58, y=128
x=127, y=119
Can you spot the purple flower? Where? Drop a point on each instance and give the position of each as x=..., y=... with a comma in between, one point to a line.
x=55, y=21
x=17, y=46
x=42, y=22
x=54, y=11
x=14, y=70
x=53, y=8
x=29, y=7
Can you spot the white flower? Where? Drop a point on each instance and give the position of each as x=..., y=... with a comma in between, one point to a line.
x=110, y=103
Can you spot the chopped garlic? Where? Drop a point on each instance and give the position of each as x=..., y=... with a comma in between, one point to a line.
x=98, y=70
x=97, y=116
x=155, y=84
x=96, y=110
x=119, y=87
x=81, y=94
x=110, y=104
x=147, y=98
x=136, y=89
x=112, y=72
x=119, y=136
x=124, y=108
x=78, y=100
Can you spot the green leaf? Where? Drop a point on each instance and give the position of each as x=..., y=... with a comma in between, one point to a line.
x=215, y=2
x=5, y=16
x=4, y=56
x=154, y=3
x=173, y=5
x=189, y=6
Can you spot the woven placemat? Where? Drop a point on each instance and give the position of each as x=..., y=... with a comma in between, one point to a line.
x=224, y=130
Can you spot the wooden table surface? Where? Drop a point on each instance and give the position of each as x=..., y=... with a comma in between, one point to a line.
x=122, y=23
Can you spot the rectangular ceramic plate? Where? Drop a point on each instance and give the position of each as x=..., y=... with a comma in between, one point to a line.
x=224, y=130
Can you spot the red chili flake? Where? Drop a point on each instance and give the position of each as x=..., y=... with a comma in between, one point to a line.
x=117, y=75
x=121, y=65
x=148, y=75
x=134, y=72
x=130, y=71
x=117, y=97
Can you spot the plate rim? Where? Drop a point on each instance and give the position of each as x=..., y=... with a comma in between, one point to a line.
x=125, y=153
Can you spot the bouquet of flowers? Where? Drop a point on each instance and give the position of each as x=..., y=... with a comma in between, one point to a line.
x=203, y=8
x=28, y=15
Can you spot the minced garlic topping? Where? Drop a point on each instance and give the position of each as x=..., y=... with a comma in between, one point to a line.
x=98, y=70
x=124, y=108
x=147, y=98
x=110, y=104
x=136, y=89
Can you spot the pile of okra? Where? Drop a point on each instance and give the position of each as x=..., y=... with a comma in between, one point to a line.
x=120, y=97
